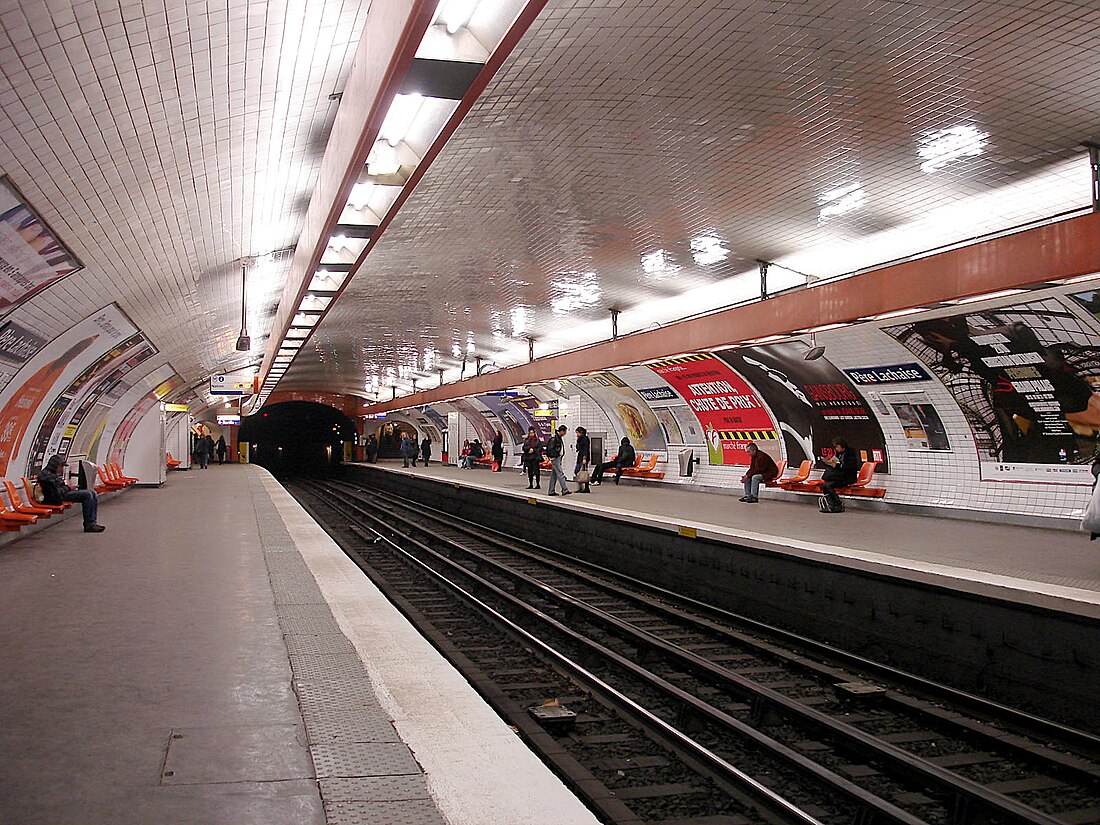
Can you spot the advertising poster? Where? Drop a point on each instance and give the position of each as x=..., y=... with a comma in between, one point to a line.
x=730, y=413
x=671, y=412
x=22, y=398
x=31, y=255
x=922, y=426
x=531, y=413
x=17, y=343
x=1025, y=378
x=515, y=420
x=813, y=401
x=482, y=426
x=125, y=430
x=619, y=401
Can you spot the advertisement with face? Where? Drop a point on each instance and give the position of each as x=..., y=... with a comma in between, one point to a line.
x=813, y=401
x=1025, y=378
x=620, y=402
x=731, y=414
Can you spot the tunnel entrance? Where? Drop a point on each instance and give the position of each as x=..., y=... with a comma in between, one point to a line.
x=297, y=437
x=389, y=438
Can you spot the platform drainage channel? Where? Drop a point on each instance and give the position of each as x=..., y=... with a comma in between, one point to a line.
x=366, y=774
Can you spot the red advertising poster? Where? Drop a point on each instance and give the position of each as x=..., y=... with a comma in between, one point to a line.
x=729, y=411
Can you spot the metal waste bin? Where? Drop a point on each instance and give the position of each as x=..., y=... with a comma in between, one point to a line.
x=687, y=459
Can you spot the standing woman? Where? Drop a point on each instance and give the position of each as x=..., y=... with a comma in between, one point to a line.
x=532, y=456
x=498, y=451
x=584, y=457
x=426, y=449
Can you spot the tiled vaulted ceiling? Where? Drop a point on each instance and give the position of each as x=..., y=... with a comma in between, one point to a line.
x=643, y=155
x=163, y=140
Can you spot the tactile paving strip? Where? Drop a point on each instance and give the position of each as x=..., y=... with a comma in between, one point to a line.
x=366, y=773
x=404, y=812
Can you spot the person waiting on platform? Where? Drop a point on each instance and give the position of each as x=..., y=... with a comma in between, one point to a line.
x=426, y=449
x=584, y=457
x=201, y=453
x=531, y=457
x=372, y=449
x=221, y=449
x=623, y=459
x=477, y=450
x=55, y=491
x=464, y=460
x=761, y=468
x=555, y=451
x=843, y=470
x=498, y=452
x=408, y=449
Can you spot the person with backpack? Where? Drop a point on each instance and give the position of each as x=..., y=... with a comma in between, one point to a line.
x=843, y=470
x=555, y=451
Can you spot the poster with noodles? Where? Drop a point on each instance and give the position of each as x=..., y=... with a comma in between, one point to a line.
x=31, y=255
x=1026, y=378
x=813, y=401
x=730, y=412
x=620, y=402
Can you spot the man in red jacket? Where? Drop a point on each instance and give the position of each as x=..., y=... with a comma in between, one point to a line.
x=761, y=468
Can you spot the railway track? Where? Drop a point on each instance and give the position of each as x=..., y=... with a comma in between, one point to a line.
x=663, y=710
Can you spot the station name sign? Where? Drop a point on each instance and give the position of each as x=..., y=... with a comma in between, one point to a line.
x=893, y=374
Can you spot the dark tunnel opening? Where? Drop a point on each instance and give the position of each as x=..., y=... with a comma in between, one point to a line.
x=297, y=437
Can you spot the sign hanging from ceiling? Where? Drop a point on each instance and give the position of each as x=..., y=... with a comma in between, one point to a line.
x=229, y=384
x=178, y=408
x=31, y=256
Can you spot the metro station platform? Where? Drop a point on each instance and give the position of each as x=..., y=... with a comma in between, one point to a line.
x=214, y=658
x=1051, y=568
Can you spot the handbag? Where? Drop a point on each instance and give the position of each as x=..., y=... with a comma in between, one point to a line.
x=582, y=476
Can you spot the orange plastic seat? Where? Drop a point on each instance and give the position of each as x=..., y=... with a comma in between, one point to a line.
x=116, y=472
x=803, y=473
x=172, y=463
x=781, y=465
x=28, y=488
x=18, y=506
x=108, y=486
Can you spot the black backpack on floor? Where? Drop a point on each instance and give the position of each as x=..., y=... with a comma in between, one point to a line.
x=830, y=504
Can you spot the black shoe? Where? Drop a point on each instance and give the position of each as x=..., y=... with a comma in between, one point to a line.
x=744, y=498
x=567, y=493
x=537, y=487
x=530, y=486
x=551, y=493
x=616, y=482
x=94, y=528
x=751, y=500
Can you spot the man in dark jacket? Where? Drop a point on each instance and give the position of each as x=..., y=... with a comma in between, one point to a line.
x=761, y=468
x=555, y=451
x=55, y=491
x=843, y=469
x=623, y=459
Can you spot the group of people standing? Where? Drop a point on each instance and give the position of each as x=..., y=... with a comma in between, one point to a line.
x=205, y=448
x=410, y=451
x=533, y=450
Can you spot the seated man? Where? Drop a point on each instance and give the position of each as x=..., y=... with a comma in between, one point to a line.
x=843, y=470
x=624, y=458
x=761, y=468
x=55, y=491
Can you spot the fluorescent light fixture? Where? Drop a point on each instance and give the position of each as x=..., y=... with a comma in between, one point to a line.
x=897, y=313
x=840, y=201
x=297, y=333
x=707, y=250
x=382, y=159
x=659, y=264
x=290, y=344
x=360, y=195
x=399, y=119
x=315, y=302
x=1080, y=279
x=827, y=327
x=575, y=290
x=989, y=296
x=455, y=14
x=327, y=281
x=303, y=320
x=338, y=242
x=941, y=147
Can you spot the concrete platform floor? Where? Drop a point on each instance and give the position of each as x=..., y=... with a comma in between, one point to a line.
x=1058, y=562
x=214, y=658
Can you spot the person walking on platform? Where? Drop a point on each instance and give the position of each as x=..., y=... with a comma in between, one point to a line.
x=498, y=452
x=202, y=451
x=584, y=457
x=209, y=447
x=372, y=449
x=531, y=456
x=761, y=468
x=624, y=458
x=55, y=491
x=408, y=450
x=843, y=470
x=555, y=451
x=221, y=449
x=426, y=449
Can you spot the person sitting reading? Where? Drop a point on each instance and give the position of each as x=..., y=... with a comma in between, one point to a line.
x=55, y=491
x=761, y=468
x=843, y=470
x=623, y=459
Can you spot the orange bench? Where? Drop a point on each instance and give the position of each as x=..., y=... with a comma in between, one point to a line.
x=859, y=487
x=802, y=475
x=28, y=489
x=172, y=463
x=644, y=470
x=111, y=483
x=29, y=509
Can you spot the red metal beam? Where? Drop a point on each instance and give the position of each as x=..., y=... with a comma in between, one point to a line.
x=1061, y=250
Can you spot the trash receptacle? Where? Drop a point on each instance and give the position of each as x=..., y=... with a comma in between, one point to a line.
x=687, y=459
